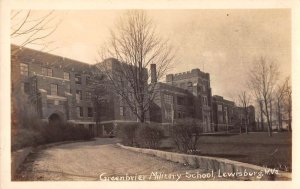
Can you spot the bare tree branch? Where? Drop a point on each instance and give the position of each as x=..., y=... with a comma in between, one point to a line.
x=262, y=80
x=136, y=45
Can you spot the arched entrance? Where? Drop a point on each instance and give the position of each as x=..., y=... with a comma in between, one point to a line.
x=55, y=119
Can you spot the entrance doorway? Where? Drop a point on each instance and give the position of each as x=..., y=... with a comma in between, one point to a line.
x=55, y=120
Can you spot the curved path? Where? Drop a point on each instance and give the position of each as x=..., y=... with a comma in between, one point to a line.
x=89, y=160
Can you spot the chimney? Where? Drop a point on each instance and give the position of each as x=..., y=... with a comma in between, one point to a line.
x=153, y=73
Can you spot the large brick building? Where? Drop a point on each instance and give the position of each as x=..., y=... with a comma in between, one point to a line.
x=186, y=94
x=64, y=89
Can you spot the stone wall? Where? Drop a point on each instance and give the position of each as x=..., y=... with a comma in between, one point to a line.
x=211, y=163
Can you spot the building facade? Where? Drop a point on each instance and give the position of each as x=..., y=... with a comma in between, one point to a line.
x=223, y=113
x=63, y=89
x=184, y=95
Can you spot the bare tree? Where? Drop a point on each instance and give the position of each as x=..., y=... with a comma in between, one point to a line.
x=288, y=102
x=261, y=108
x=244, y=101
x=263, y=77
x=279, y=95
x=135, y=44
x=29, y=29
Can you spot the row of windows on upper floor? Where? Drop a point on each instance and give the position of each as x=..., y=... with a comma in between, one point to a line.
x=54, y=91
x=24, y=69
x=189, y=85
x=79, y=111
x=181, y=100
x=222, y=108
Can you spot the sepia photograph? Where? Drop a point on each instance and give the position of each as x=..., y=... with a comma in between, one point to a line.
x=145, y=94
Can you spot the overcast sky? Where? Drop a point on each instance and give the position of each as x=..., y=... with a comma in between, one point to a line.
x=221, y=42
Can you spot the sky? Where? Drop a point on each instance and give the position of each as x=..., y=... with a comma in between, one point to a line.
x=222, y=42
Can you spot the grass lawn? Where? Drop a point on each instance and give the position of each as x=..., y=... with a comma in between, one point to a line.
x=254, y=148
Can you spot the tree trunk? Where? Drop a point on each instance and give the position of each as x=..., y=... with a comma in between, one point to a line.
x=247, y=124
x=141, y=114
x=268, y=119
x=261, y=116
x=241, y=126
x=279, y=115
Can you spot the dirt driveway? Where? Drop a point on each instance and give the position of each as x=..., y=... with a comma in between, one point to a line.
x=101, y=159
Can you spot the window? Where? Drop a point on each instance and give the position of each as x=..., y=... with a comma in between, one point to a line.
x=53, y=89
x=205, y=103
x=220, y=108
x=168, y=99
x=24, y=69
x=56, y=102
x=79, y=111
x=179, y=115
x=190, y=101
x=66, y=75
x=121, y=111
x=90, y=112
x=182, y=85
x=68, y=89
x=225, y=114
x=204, y=88
x=47, y=72
x=205, y=120
x=77, y=78
x=88, y=80
x=26, y=87
x=180, y=100
x=78, y=95
x=220, y=118
x=88, y=95
x=44, y=71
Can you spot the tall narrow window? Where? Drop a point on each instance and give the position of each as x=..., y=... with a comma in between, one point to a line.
x=66, y=75
x=24, y=69
x=26, y=87
x=49, y=72
x=79, y=111
x=44, y=71
x=78, y=95
x=220, y=108
x=68, y=89
x=88, y=80
x=205, y=103
x=180, y=100
x=225, y=115
x=53, y=89
x=204, y=88
x=90, y=112
x=88, y=95
x=77, y=78
x=121, y=111
x=168, y=99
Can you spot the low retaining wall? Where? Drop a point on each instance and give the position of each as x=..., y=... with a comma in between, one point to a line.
x=210, y=163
